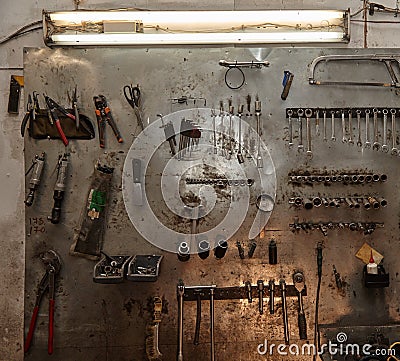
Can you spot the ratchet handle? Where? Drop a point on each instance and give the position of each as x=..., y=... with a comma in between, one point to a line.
x=302, y=326
x=61, y=132
x=51, y=327
x=31, y=329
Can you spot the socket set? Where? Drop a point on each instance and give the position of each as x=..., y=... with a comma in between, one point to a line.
x=221, y=182
x=382, y=136
x=353, y=202
x=365, y=227
x=344, y=178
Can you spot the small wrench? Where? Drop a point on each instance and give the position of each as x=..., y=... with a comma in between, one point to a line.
x=367, y=141
x=300, y=114
x=376, y=144
x=324, y=117
x=351, y=141
x=394, y=150
x=290, y=113
x=385, y=147
x=333, y=137
x=358, y=112
x=317, y=122
x=308, y=114
x=344, y=140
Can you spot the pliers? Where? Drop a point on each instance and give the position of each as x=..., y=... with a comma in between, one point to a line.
x=53, y=265
x=29, y=115
x=53, y=107
x=103, y=115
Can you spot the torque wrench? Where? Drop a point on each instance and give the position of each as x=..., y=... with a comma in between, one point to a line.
x=282, y=285
x=376, y=144
x=324, y=117
x=333, y=136
x=385, y=147
x=351, y=141
x=367, y=141
x=290, y=113
x=317, y=122
x=298, y=280
x=394, y=150
x=344, y=140
x=212, y=324
x=359, y=142
x=308, y=114
x=300, y=114
x=181, y=291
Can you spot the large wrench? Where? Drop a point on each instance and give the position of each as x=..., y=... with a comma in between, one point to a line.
x=358, y=112
x=282, y=285
x=300, y=114
x=333, y=136
x=376, y=144
x=180, y=291
x=344, y=140
x=385, y=147
x=290, y=113
x=308, y=114
x=394, y=150
x=324, y=117
x=367, y=141
x=351, y=141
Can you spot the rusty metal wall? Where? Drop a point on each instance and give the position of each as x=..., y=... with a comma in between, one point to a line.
x=107, y=322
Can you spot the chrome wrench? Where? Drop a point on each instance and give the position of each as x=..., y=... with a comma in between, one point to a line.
x=300, y=114
x=333, y=136
x=367, y=141
x=344, y=140
x=351, y=141
x=317, y=122
x=358, y=112
x=324, y=118
x=290, y=113
x=376, y=144
x=385, y=147
x=308, y=114
x=180, y=291
x=394, y=150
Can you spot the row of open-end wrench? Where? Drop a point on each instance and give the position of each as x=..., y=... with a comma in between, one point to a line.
x=227, y=133
x=366, y=227
x=367, y=202
x=338, y=178
x=347, y=115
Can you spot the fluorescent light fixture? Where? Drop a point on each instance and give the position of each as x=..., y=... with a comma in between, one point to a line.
x=152, y=28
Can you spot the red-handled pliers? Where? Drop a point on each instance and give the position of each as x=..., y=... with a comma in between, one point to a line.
x=53, y=266
x=53, y=107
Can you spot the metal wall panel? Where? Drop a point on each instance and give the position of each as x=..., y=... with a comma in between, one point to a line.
x=107, y=322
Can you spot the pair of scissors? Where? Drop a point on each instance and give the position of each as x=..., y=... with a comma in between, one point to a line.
x=132, y=95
